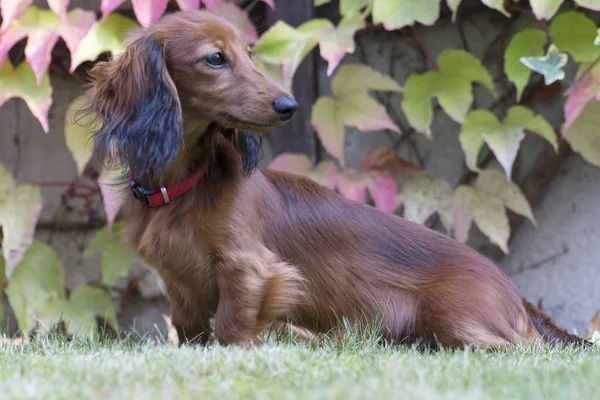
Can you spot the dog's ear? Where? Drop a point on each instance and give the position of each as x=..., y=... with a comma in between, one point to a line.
x=250, y=147
x=136, y=100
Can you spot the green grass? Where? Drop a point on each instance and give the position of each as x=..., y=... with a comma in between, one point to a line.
x=52, y=368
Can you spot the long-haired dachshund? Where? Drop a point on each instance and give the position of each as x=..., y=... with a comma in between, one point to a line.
x=252, y=247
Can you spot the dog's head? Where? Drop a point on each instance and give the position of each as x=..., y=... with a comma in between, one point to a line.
x=187, y=66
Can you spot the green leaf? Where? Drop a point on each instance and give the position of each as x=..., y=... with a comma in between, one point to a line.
x=453, y=4
x=352, y=106
x=20, y=208
x=583, y=135
x=105, y=35
x=321, y=2
x=418, y=91
x=451, y=84
x=336, y=44
x=486, y=211
x=574, y=33
x=551, y=65
x=84, y=305
x=545, y=9
x=503, y=139
x=78, y=140
x=116, y=262
x=494, y=183
x=36, y=287
x=496, y=5
x=21, y=82
x=471, y=135
x=395, y=14
x=349, y=6
x=527, y=43
x=423, y=196
x=103, y=238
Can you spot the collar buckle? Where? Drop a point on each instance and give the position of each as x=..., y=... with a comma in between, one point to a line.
x=140, y=192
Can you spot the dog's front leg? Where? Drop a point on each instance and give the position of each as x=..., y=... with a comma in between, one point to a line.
x=252, y=297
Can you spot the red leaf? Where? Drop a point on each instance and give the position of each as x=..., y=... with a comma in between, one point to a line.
x=580, y=95
x=211, y=4
x=385, y=159
x=147, y=12
x=110, y=194
x=11, y=10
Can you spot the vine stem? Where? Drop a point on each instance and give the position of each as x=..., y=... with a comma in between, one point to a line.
x=422, y=49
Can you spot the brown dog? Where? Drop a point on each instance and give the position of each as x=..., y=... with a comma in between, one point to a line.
x=250, y=247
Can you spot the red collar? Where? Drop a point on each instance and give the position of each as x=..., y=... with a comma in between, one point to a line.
x=159, y=197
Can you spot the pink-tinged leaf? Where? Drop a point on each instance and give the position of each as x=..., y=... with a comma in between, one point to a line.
x=147, y=12
x=111, y=196
x=211, y=4
x=271, y=3
x=43, y=28
x=21, y=82
x=239, y=18
x=324, y=173
x=188, y=4
x=295, y=163
x=580, y=95
x=336, y=44
x=59, y=7
x=108, y=6
x=353, y=185
x=386, y=159
x=11, y=10
x=20, y=207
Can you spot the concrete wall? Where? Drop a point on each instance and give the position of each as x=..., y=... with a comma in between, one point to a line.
x=556, y=261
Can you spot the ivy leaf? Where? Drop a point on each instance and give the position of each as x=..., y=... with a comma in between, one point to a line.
x=496, y=5
x=551, y=65
x=350, y=6
x=423, y=196
x=453, y=5
x=353, y=185
x=574, y=33
x=20, y=207
x=105, y=35
x=283, y=44
x=528, y=42
x=504, y=139
x=495, y=184
x=84, y=305
x=581, y=93
x=146, y=12
x=395, y=14
x=78, y=142
x=43, y=28
x=386, y=159
x=486, y=211
x=21, y=82
x=111, y=196
x=186, y=5
x=451, y=84
x=318, y=3
x=239, y=18
x=336, y=44
x=351, y=105
x=324, y=173
x=36, y=287
x=545, y=9
x=103, y=238
x=11, y=10
x=59, y=7
x=116, y=262
x=583, y=135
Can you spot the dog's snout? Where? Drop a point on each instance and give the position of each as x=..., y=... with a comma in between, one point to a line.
x=285, y=107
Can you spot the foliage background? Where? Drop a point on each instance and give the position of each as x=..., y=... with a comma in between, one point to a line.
x=411, y=169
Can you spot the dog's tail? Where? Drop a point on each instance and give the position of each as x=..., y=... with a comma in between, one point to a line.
x=550, y=332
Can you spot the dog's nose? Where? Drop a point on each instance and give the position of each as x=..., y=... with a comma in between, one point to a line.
x=285, y=107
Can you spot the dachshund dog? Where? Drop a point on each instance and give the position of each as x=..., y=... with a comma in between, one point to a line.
x=251, y=247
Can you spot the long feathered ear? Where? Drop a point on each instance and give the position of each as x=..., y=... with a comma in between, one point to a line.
x=137, y=104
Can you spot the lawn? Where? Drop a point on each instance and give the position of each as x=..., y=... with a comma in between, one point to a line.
x=133, y=369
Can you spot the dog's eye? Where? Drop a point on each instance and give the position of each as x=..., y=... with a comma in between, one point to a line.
x=216, y=60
